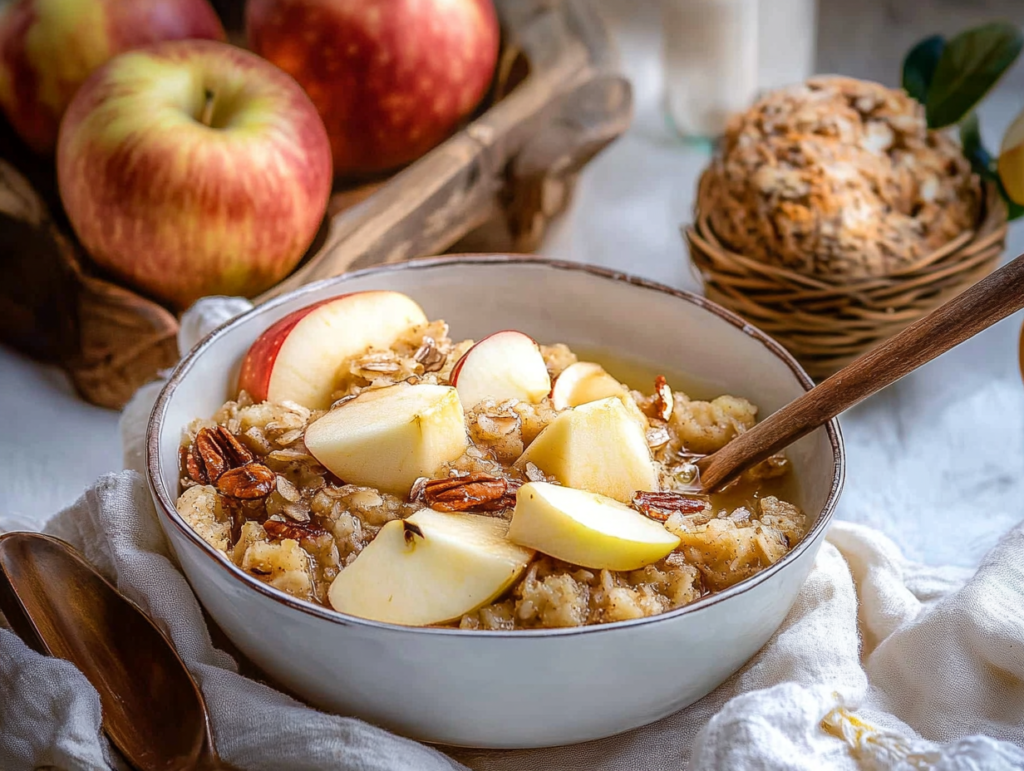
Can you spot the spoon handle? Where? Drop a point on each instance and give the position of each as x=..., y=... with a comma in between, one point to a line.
x=990, y=300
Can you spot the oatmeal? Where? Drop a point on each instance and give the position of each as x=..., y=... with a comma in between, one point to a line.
x=483, y=487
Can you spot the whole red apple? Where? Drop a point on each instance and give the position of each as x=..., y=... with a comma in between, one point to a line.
x=391, y=78
x=191, y=168
x=49, y=47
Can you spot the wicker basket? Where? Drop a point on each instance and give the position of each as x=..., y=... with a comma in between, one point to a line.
x=828, y=323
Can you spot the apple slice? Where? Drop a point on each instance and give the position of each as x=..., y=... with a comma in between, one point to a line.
x=297, y=359
x=389, y=437
x=585, y=382
x=505, y=365
x=586, y=529
x=429, y=569
x=598, y=447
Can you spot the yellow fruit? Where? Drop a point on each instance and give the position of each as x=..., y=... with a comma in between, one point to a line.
x=1011, y=160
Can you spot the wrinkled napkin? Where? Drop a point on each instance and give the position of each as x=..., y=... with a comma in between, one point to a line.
x=881, y=664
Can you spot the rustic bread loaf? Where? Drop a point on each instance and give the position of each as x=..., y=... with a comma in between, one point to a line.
x=839, y=176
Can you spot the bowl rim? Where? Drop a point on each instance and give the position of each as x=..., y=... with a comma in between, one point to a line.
x=167, y=509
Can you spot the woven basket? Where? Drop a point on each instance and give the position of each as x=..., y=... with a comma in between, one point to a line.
x=827, y=323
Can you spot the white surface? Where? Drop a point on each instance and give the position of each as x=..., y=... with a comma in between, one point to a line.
x=937, y=461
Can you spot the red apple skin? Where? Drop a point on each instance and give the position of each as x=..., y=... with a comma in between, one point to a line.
x=258, y=363
x=49, y=47
x=391, y=78
x=181, y=209
x=453, y=377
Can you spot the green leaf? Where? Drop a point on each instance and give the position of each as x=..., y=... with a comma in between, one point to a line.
x=971, y=63
x=974, y=151
x=919, y=66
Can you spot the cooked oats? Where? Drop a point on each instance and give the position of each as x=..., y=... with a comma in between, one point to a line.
x=301, y=526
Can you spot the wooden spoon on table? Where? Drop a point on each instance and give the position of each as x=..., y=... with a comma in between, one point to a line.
x=153, y=711
x=990, y=300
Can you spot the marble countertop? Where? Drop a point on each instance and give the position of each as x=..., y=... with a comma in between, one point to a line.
x=936, y=461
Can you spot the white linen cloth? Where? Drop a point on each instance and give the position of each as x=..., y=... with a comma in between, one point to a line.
x=882, y=663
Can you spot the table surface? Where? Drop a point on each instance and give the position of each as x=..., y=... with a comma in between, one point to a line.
x=935, y=461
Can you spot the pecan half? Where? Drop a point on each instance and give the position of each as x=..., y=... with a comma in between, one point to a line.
x=214, y=451
x=206, y=460
x=429, y=355
x=195, y=466
x=663, y=400
x=661, y=506
x=253, y=480
x=236, y=452
x=294, y=530
x=480, y=492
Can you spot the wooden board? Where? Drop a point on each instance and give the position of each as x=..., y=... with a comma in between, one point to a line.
x=556, y=102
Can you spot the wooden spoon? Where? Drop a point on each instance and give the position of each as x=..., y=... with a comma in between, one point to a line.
x=153, y=711
x=990, y=300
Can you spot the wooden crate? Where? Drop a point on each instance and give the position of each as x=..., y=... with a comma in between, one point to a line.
x=556, y=101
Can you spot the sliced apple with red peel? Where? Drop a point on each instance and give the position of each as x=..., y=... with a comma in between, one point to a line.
x=505, y=365
x=389, y=437
x=584, y=382
x=598, y=447
x=587, y=529
x=430, y=568
x=298, y=358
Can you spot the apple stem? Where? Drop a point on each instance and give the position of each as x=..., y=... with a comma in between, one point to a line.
x=206, y=118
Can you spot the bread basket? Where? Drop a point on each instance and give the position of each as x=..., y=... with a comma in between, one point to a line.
x=828, y=322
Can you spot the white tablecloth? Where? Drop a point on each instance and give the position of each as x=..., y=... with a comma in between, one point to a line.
x=935, y=461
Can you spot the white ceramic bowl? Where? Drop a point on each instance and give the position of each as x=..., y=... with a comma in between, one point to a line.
x=509, y=689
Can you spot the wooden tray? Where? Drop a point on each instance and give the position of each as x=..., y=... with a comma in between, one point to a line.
x=556, y=102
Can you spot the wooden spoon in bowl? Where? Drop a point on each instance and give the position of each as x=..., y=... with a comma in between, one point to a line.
x=153, y=711
x=990, y=300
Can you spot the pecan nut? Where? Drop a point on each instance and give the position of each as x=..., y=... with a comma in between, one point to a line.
x=661, y=506
x=215, y=451
x=194, y=465
x=479, y=492
x=236, y=452
x=253, y=480
x=663, y=400
x=295, y=530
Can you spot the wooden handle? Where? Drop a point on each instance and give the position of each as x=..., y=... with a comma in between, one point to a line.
x=990, y=300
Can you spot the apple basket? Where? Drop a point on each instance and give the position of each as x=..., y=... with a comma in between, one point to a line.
x=556, y=100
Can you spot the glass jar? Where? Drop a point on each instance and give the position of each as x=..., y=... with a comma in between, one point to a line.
x=719, y=54
x=787, y=42
x=710, y=57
